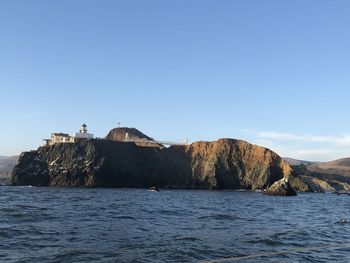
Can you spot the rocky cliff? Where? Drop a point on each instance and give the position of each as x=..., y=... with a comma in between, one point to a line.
x=223, y=164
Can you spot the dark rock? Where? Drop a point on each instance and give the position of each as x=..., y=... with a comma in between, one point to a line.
x=154, y=189
x=282, y=188
x=30, y=170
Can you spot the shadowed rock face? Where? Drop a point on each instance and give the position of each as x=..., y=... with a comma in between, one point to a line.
x=223, y=164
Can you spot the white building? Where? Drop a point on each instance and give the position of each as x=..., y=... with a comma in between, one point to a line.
x=66, y=138
x=61, y=138
x=83, y=134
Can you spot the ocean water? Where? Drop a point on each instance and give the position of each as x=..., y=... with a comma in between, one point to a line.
x=135, y=225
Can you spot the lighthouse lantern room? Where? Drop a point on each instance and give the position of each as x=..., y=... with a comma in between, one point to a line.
x=83, y=134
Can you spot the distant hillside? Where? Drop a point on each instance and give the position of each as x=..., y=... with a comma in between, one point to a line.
x=337, y=167
x=292, y=161
x=6, y=166
x=7, y=163
x=335, y=173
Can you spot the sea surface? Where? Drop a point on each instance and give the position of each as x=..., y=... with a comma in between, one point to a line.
x=47, y=224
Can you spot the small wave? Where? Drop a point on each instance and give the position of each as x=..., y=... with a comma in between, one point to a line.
x=8, y=209
x=224, y=217
x=168, y=212
x=5, y=234
x=189, y=238
x=68, y=254
x=125, y=217
x=144, y=229
x=266, y=241
x=219, y=217
x=17, y=215
x=72, y=239
x=22, y=206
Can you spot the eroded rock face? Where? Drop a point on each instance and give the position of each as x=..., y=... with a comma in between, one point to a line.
x=223, y=164
x=281, y=188
x=235, y=164
x=318, y=185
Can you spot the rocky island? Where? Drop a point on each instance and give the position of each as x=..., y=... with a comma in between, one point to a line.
x=111, y=162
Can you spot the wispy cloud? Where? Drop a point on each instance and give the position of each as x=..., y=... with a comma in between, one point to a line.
x=324, y=154
x=302, y=146
x=343, y=140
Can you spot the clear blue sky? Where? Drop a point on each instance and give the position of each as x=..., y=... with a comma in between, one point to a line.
x=275, y=73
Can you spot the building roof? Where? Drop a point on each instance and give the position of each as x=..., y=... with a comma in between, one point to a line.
x=61, y=134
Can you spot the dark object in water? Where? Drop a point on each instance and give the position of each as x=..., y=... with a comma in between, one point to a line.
x=154, y=189
x=343, y=221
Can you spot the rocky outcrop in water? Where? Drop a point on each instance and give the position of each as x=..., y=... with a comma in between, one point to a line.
x=223, y=164
x=282, y=188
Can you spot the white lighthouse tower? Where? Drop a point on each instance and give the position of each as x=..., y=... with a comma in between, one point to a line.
x=83, y=134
